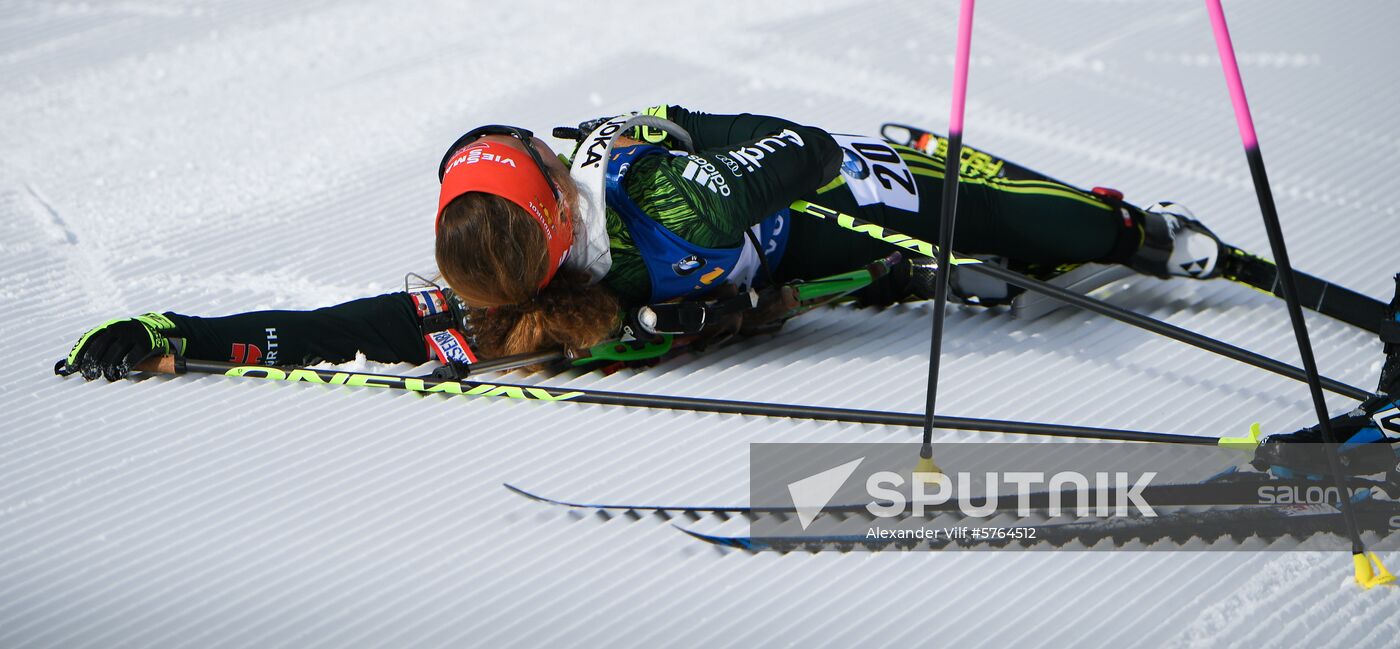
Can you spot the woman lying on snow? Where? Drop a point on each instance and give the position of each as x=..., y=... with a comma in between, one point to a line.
x=558, y=257
x=539, y=256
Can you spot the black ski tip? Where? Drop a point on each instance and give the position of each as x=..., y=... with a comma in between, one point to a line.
x=532, y=496
x=693, y=510
x=737, y=542
x=565, y=503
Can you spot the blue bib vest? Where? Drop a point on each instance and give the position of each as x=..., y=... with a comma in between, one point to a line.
x=679, y=268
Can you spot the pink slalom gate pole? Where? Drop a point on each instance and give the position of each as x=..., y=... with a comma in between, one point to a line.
x=952, y=168
x=1366, y=574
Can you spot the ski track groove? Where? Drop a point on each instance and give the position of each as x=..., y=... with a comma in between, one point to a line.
x=220, y=528
x=309, y=523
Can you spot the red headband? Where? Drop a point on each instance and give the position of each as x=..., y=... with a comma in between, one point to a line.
x=508, y=172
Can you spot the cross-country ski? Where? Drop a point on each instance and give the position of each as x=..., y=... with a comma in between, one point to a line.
x=761, y=324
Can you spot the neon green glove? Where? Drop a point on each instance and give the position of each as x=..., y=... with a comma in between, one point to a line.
x=112, y=348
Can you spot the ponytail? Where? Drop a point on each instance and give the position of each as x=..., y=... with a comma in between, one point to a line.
x=569, y=313
x=494, y=257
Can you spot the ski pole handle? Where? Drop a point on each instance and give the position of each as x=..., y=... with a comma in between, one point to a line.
x=168, y=364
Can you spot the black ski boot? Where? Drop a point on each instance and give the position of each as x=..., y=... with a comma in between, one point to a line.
x=1364, y=447
x=1367, y=434
x=1175, y=244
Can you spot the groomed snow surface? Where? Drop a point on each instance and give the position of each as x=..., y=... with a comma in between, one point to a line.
x=217, y=157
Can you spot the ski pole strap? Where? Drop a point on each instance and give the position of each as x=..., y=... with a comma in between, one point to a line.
x=441, y=335
x=685, y=318
x=762, y=258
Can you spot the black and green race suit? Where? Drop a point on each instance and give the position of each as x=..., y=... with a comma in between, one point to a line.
x=747, y=178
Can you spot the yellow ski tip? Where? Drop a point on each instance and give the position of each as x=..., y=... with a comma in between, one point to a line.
x=1246, y=443
x=1370, y=572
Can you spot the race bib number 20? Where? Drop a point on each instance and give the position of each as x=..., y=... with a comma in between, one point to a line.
x=876, y=174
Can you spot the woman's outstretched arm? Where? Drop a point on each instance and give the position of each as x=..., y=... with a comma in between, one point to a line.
x=385, y=328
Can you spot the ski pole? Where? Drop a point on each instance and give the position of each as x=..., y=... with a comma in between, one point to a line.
x=1364, y=570
x=1085, y=302
x=948, y=212
x=439, y=385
